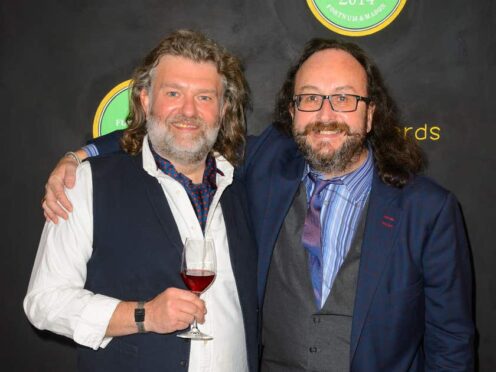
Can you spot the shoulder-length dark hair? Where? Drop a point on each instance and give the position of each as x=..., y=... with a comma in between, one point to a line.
x=197, y=47
x=397, y=157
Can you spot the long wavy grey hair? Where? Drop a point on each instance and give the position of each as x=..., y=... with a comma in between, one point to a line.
x=196, y=47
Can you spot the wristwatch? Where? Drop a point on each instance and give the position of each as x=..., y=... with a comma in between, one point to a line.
x=139, y=316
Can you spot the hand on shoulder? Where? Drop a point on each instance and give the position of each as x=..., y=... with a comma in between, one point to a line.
x=55, y=203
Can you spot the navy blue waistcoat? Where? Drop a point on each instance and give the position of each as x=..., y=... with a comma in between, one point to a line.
x=137, y=254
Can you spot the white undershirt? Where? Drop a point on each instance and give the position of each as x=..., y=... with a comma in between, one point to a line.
x=57, y=301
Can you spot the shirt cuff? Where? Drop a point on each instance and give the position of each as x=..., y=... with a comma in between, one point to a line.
x=91, y=150
x=93, y=323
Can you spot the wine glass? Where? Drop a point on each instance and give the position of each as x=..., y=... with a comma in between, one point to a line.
x=198, y=272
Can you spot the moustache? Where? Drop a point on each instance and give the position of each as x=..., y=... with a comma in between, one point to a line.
x=319, y=126
x=180, y=119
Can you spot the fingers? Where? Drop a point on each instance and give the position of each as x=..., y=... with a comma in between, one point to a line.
x=70, y=175
x=51, y=207
x=185, y=305
x=55, y=203
x=172, y=310
x=59, y=197
x=183, y=325
x=193, y=305
x=186, y=313
x=192, y=310
x=49, y=215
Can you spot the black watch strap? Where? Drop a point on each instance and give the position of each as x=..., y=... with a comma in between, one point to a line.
x=139, y=316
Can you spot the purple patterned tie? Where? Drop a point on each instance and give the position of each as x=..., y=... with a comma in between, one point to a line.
x=311, y=238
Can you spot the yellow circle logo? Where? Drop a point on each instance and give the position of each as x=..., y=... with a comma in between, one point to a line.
x=356, y=17
x=112, y=111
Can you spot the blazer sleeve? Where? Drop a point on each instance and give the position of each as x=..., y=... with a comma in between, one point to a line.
x=449, y=326
x=108, y=143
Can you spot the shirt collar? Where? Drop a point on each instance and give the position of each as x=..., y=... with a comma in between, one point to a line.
x=209, y=174
x=357, y=183
x=224, y=177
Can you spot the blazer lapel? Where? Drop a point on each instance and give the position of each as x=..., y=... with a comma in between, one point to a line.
x=383, y=219
x=284, y=182
x=159, y=203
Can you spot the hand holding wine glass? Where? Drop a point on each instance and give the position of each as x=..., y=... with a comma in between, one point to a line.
x=198, y=268
x=172, y=310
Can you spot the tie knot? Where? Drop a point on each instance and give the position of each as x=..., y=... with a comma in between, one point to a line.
x=321, y=184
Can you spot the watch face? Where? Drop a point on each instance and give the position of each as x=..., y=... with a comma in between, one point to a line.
x=139, y=315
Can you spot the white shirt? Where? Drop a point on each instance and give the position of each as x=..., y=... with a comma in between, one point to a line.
x=57, y=301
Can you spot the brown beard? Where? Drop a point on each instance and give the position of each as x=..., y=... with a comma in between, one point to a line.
x=340, y=159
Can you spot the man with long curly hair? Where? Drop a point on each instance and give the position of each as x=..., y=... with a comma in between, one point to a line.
x=363, y=263
x=109, y=276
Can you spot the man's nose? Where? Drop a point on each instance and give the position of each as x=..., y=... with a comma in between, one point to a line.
x=326, y=113
x=188, y=107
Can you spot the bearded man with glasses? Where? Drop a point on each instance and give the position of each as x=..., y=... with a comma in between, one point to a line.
x=364, y=264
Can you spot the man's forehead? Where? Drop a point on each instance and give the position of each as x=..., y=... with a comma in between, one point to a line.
x=176, y=69
x=171, y=59
x=331, y=67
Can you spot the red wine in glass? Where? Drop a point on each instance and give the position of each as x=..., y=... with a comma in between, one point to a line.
x=198, y=269
x=197, y=280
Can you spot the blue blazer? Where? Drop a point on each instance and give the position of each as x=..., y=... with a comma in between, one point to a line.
x=413, y=306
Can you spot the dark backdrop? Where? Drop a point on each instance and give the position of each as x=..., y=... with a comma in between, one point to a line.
x=60, y=57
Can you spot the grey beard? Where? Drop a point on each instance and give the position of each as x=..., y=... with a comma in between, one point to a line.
x=163, y=142
x=336, y=162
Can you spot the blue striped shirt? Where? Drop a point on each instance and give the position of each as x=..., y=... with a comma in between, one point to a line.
x=341, y=210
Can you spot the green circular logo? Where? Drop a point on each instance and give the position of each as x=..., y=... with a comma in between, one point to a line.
x=356, y=17
x=112, y=110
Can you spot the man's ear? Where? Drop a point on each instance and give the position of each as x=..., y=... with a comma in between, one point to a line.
x=291, y=109
x=145, y=100
x=370, y=116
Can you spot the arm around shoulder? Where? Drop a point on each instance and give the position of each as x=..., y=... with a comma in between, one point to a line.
x=55, y=202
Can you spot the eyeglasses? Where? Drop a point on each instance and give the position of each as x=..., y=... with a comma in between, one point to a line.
x=339, y=102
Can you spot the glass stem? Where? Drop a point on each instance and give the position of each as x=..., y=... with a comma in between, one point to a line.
x=194, y=327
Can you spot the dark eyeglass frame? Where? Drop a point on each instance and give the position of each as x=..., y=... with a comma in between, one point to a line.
x=297, y=100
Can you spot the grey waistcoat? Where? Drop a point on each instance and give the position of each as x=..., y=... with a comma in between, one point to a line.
x=296, y=336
